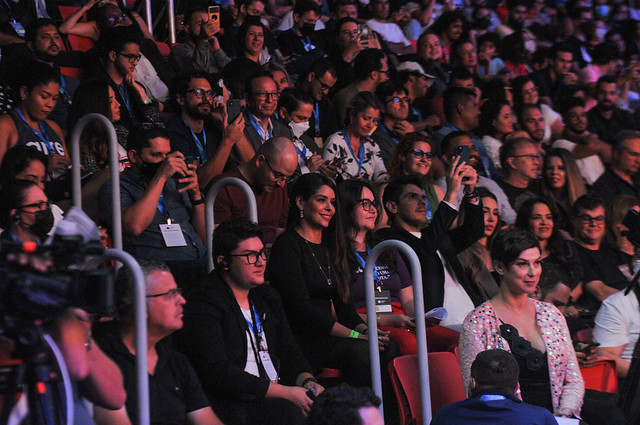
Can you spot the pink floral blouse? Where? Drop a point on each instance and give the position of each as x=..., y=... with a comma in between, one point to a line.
x=481, y=331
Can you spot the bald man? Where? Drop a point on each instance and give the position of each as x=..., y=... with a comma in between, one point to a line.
x=267, y=173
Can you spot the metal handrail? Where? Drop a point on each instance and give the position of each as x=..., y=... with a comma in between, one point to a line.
x=172, y=23
x=421, y=329
x=114, y=165
x=208, y=209
x=141, y=330
x=147, y=10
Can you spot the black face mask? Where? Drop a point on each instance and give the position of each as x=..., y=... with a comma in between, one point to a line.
x=43, y=223
x=307, y=29
x=149, y=169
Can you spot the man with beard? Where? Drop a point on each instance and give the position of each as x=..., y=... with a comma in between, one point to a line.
x=44, y=42
x=161, y=204
x=517, y=11
x=590, y=152
x=266, y=173
x=121, y=56
x=202, y=50
x=393, y=123
x=557, y=74
x=621, y=177
x=606, y=119
x=196, y=133
x=430, y=57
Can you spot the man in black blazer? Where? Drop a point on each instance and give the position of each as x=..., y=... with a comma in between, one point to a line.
x=237, y=337
x=445, y=283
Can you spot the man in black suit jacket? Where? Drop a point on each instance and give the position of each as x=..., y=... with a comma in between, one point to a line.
x=237, y=337
x=261, y=97
x=444, y=280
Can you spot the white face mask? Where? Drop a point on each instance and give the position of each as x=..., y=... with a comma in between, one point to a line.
x=298, y=128
x=530, y=46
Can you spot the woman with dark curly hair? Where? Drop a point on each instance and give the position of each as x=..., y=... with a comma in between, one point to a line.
x=449, y=27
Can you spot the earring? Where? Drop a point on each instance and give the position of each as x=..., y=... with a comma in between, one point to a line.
x=301, y=214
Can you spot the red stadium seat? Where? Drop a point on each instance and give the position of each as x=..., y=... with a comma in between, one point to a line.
x=75, y=42
x=445, y=381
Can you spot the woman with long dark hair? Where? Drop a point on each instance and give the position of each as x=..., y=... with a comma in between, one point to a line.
x=496, y=123
x=562, y=184
x=557, y=254
x=309, y=267
x=525, y=92
x=359, y=214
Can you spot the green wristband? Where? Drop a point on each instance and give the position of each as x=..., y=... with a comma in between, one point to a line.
x=354, y=334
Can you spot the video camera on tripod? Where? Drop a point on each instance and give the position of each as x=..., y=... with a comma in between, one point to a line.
x=38, y=283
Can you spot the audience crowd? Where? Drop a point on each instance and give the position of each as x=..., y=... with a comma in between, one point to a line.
x=499, y=139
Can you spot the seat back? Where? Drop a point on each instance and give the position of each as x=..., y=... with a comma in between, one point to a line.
x=603, y=376
x=445, y=381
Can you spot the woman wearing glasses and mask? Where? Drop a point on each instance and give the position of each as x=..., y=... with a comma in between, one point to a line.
x=359, y=214
x=25, y=212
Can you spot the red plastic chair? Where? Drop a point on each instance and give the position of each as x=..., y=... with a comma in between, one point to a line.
x=603, y=376
x=75, y=42
x=445, y=381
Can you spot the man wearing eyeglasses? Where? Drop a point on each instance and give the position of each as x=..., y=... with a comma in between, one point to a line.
x=318, y=83
x=261, y=97
x=621, y=177
x=201, y=52
x=122, y=54
x=175, y=394
x=266, y=173
x=197, y=131
x=238, y=340
x=605, y=268
x=393, y=124
x=520, y=161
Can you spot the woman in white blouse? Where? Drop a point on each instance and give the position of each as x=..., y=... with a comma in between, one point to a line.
x=351, y=149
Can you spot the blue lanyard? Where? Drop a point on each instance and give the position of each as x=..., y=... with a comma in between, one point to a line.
x=375, y=268
x=360, y=151
x=122, y=89
x=15, y=239
x=258, y=129
x=161, y=206
x=256, y=327
x=307, y=44
x=417, y=113
x=386, y=130
x=426, y=204
x=43, y=136
x=6, y=3
x=199, y=145
x=316, y=115
x=301, y=152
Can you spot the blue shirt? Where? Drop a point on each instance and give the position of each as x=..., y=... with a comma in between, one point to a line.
x=495, y=407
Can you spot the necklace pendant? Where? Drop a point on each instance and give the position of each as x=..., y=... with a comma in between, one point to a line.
x=329, y=281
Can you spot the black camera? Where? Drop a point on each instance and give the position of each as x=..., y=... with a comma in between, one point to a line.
x=73, y=279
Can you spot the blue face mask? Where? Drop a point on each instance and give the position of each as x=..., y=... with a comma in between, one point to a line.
x=602, y=10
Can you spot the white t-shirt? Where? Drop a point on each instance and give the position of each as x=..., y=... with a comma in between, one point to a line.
x=456, y=299
x=618, y=323
x=389, y=31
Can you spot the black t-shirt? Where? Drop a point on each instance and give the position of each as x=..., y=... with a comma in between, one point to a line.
x=517, y=196
x=174, y=389
x=606, y=265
